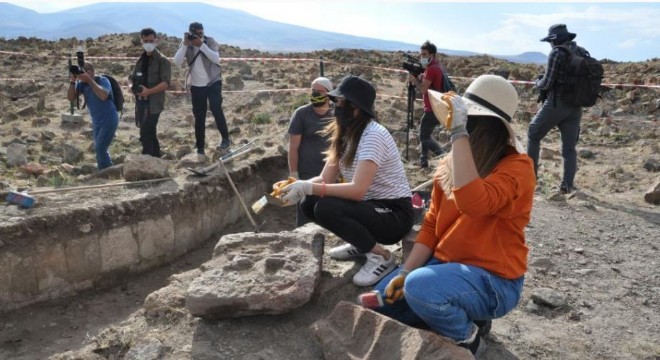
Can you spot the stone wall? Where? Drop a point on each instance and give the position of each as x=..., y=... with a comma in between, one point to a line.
x=56, y=255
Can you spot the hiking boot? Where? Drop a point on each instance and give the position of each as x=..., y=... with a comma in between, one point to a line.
x=200, y=152
x=345, y=252
x=476, y=347
x=374, y=269
x=224, y=145
x=423, y=164
x=565, y=189
x=484, y=327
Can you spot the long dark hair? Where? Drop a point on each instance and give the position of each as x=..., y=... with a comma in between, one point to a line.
x=345, y=141
x=489, y=140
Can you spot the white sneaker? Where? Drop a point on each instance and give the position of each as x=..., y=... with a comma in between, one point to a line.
x=374, y=269
x=345, y=252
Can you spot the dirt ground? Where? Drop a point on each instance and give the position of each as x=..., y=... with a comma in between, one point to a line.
x=599, y=248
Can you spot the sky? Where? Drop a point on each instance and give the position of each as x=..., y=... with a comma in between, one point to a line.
x=622, y=31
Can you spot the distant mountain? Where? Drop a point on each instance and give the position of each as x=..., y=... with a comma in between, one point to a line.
x=228, y=26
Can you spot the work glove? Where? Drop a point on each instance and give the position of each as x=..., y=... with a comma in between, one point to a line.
x=394, y=289
x=457, y=117
x=293, y=193
x=278, y=186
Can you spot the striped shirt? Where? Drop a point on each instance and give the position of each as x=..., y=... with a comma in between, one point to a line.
x=389, y=182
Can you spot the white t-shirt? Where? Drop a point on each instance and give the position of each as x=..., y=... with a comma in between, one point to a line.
x=377, y=145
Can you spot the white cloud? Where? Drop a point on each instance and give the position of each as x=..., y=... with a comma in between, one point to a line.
x=628, y=44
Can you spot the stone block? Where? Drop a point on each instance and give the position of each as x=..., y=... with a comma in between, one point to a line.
x=5, y=280
x=51, y=269
x=83, y=256
x=72, y=122
x=187, y=230
x=156, y=238
x=24, y=285
x=119, y=249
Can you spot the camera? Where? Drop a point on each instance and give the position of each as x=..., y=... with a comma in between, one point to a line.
x=78, y=69
x=192, y=37
x=412, y=65
x=136, y=88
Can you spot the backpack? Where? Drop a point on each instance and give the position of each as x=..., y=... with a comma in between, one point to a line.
x=447, y=84
x=116, y=94
x=584, y=75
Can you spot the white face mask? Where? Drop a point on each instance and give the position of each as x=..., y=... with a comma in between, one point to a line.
x=424, y=61
x=149, y=47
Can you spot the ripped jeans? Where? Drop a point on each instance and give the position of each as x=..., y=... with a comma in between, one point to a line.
x=448, y=297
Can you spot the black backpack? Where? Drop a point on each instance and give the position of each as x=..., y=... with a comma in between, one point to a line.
x=583, y=78
x=117, y=94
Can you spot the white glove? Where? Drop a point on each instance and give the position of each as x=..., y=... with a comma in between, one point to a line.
x=295, y=192
x=458, y=114
x=294, y=174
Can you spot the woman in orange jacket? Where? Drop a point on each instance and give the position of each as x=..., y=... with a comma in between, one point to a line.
x=469, y=259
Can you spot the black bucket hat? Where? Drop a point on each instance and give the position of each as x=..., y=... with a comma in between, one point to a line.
x=357, y=91
x=558, y=33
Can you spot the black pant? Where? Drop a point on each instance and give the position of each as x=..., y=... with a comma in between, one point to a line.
x=203, y=98
x=426, y=127
x=362, y=223
x=148, y=133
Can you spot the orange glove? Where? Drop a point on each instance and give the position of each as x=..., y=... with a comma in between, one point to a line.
x=278, y=186
x=394, y=289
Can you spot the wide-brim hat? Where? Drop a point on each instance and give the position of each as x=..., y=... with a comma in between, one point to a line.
x=560, y=33
x=357, y=91
x=487, y=95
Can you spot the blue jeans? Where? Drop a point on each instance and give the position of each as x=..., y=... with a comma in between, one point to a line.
x=103, y=133
x=567, y=118
x=426, y=127
x=448, y=297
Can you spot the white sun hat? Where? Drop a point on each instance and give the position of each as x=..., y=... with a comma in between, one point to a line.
x=487, y=95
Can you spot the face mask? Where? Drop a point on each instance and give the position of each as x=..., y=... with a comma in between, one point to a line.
x=149, y=47
x=424, y=61
x=317, y=99
x=344, y=115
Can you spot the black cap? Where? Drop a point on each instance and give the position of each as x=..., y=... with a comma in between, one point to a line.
x=357, y=91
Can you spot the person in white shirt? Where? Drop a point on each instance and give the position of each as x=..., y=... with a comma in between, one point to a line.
x=373, y=205
x=201, y=55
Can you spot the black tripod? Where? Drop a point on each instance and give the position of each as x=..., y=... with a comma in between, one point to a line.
x=410, y=121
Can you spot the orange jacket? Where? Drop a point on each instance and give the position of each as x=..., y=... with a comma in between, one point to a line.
x=484, y=224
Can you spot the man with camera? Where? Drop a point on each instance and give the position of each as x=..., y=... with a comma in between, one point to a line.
x=150, y=78
x=201, y=53
x=97, y=93
x=431, y=78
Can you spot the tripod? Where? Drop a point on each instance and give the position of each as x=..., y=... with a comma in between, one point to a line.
x=410, y=121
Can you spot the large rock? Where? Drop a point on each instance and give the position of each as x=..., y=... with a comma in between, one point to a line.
x=352, y=332
x=549, y=297
x=16, y=154
x=652, y=196
x=72, y=154
x=253, y=273
x=144, y=167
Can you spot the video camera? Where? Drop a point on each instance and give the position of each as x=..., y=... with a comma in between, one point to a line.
x=78, y=69
x=412, y=65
